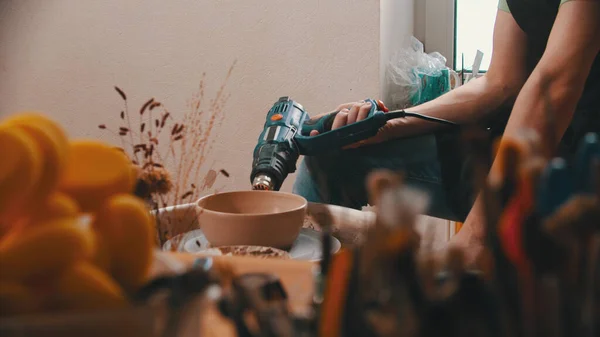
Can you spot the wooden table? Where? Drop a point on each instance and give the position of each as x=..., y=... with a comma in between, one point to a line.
x=296, y=276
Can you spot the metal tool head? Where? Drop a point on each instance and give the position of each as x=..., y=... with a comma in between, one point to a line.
x=263, y=182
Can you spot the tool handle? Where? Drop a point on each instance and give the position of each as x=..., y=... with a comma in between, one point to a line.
x=588, y=152
x=556, y=186
x=331, y=140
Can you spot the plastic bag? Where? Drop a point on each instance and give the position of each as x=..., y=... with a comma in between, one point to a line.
x=414, y=77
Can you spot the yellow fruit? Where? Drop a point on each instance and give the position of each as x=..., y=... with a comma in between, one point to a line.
x=51, y=127
x=101, y=254
x=53, y=144
x=58, y=205
x=125, y=225
x=134, y=169
x=135, y=173
x=44, y=250
x=84, y=287
x=20, y=169
x=94, y=172
x=17, y=299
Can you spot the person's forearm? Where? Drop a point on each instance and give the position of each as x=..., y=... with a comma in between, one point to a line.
x=466, y=104
x=546, y=104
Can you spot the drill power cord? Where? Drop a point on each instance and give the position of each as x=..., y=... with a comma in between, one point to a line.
x=402, y=113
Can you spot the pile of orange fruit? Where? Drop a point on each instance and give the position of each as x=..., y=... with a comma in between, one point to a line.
x=73, y=237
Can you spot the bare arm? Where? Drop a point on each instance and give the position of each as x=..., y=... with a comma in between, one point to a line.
x=469, y=103
x=557, y=81
x=559, y=78
x=478, y=98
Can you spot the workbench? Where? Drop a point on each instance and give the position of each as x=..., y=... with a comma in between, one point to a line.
x=296, y=276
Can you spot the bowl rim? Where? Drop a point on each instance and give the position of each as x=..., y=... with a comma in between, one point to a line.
x=293, y=210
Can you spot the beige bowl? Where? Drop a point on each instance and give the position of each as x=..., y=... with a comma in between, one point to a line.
x=251, y=218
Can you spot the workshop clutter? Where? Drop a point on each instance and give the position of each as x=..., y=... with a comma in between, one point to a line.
x=73, y=237
x=415, y=77
x=82, y=245
x=539, y=274
x=540, y=270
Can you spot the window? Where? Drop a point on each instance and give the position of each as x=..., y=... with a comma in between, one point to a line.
x=474, y=30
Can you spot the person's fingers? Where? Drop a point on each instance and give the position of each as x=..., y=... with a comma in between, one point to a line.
x=314, y=132
x=340, y=120
x=353, y=112
x=363, y=112
x=344, y=106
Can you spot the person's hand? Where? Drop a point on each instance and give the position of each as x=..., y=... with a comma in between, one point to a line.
x=354, y=112
x=471, y=237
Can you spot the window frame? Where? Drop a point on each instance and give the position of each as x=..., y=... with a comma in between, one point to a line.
x=440, y=30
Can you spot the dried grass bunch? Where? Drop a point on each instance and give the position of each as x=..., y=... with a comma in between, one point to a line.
x=170, y=155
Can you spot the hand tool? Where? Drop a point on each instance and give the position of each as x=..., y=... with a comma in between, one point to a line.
x=257, y=304
x=575, y=228
x=587, y=153
x=369, y=289
x=286, y=136
x=182, y=289
x=555, y=188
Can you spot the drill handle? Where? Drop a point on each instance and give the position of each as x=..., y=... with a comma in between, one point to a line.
x=333, y=140
x=320, y=124
x=324, y=123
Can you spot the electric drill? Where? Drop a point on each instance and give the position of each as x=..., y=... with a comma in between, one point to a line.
x=286, y=136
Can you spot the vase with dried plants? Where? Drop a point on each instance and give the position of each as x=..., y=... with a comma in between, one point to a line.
x=170, y=153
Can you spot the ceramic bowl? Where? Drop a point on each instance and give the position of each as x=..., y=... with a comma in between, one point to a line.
x=251, y=218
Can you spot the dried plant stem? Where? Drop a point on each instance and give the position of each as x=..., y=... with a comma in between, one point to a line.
x=187, y=144
x=130, y=129
x=189, y=141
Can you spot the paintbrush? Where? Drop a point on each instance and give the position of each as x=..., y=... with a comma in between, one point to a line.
x=499, y=271
x=587, y=153
x=596, y=176
x=590, y=313
x=428, y=265
x=390, y=298
x=548, y=307
x=503, y=184
x=511, y=234
x=543, y=254
x=575, y=228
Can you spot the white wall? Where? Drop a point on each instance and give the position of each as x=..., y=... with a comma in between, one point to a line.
x=63, y=57
x=420, y=19
x=430, y=21
x=434, y=26
x=397, y=23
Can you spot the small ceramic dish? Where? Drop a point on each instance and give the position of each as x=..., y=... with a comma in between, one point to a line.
x=307, y=246
x=254, y=251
